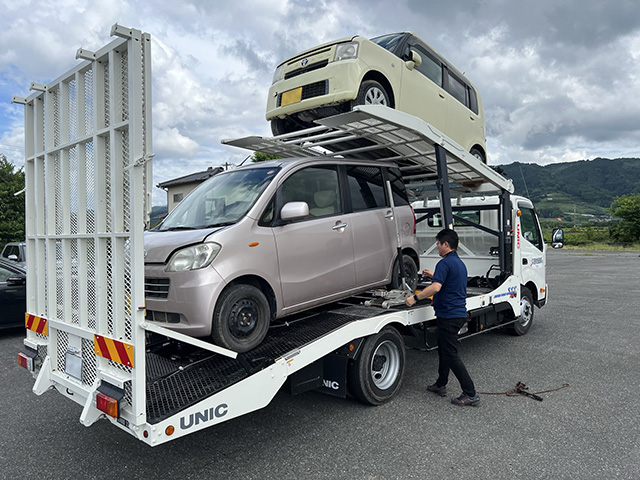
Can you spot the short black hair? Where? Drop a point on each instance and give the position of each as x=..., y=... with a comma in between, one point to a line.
x=449, y=236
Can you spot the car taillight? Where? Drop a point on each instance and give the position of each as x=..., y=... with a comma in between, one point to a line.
x=414, y=220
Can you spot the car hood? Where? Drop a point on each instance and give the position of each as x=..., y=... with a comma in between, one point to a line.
x=159, y=245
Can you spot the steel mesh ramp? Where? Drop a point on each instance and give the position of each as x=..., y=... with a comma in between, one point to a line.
x=379, y=132
x=177, y=382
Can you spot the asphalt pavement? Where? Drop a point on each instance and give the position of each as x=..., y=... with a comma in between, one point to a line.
x=588, y=336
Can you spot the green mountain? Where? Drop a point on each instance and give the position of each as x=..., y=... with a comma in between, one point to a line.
x=585, y=188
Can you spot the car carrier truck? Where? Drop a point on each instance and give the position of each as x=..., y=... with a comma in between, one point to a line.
x=88, y=178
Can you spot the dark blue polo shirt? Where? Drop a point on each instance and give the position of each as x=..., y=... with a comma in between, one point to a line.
x=450, y=301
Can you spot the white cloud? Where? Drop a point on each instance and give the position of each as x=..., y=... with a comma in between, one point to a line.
x=558, y=81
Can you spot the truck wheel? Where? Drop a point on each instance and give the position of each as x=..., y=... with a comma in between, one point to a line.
x=241, y=318
x=375, y=376
x=523, y=324
x=410, y=272
x=372, y=93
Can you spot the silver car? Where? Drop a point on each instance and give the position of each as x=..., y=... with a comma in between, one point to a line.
x=264, y=241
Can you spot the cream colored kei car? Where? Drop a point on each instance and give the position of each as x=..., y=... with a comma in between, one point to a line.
x=399, y=70
x=260, y=242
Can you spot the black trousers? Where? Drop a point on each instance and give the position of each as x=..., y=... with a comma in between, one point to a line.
x=449, y=360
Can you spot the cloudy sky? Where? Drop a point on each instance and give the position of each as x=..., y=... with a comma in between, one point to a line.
x=560, y=80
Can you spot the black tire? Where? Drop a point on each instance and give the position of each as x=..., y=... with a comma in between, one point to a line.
x=279, y=127
x=410, y=271
x=241, y=318
x=376, y=375
x=372, y=93
x=523, y=323
x=478, y=154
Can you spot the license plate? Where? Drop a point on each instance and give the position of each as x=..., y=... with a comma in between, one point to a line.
x=292, y=96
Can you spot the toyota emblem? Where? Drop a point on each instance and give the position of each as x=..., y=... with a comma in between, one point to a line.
x=304, y=62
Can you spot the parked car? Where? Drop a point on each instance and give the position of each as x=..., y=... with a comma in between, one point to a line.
x=15, y=252
x=13, y=294
x=274, y=238
x=398, y=70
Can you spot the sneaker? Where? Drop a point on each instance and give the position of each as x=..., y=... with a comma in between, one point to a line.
x=465, y=399
x=442, y=391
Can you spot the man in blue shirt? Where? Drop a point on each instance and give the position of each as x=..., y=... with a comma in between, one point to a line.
x=449, y=290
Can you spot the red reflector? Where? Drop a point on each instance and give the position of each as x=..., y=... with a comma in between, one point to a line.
x=106, y=404
x=25, y=361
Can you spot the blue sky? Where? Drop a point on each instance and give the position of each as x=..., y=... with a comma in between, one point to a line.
x=559, y=79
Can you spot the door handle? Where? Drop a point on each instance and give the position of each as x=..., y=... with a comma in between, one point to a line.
x=339, y=226
x=525, y=261
x=389, y=214
x=440, y=95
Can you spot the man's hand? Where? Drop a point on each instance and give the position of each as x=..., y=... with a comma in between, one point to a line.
x=410, y=301
x=427, y=273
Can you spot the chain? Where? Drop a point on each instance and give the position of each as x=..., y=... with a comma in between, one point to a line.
x=521, y=390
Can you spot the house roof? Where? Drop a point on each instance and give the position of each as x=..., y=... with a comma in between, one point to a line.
x=194, y=177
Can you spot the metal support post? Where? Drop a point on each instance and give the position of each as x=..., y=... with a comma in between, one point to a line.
x=443, y=186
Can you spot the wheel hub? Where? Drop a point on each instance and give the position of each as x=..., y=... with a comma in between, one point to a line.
x=243, y=318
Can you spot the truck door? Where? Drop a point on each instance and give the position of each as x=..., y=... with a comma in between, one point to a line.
x=531, y=245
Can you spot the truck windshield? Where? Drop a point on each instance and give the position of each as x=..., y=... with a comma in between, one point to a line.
x=389, y=42
x=221, y=200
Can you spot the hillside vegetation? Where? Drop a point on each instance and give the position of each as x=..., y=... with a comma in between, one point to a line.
x=576, y=191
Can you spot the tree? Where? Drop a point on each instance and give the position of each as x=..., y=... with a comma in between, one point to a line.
x=263, y=157
x=11, y=206
x=627, y=209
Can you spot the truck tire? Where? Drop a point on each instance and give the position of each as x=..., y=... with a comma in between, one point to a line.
x=241, y=318
x=376, y=375
x=372, y=93
x=523, y=323
x=410, y=271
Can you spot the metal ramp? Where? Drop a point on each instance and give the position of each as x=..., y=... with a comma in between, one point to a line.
x=178, y=378
x=379, y=132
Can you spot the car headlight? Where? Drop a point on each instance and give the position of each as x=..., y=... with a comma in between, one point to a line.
x=344, y=51
x=277, y=75
x=193, y=258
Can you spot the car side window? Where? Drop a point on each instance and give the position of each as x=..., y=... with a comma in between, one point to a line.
x=398, y=188
x=4, y=274
x=318, y=187
x=529, y=225
x=457, y=89
x=430, y=67
x=366, y=186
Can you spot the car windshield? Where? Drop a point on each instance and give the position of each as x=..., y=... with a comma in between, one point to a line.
x=222, y=200
x=389, y=42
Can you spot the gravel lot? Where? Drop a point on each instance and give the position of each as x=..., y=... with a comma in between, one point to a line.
x=587, y=336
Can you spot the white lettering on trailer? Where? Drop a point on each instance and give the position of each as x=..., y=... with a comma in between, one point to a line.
x=204, y=416
x=331, y=384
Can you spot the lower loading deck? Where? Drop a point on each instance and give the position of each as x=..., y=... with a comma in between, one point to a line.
x=179, y=375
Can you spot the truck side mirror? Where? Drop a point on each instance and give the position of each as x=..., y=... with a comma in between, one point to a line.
x=557, y=238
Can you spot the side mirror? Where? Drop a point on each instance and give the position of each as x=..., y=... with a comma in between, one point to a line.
x=13, y=257
x=557, y=238
x=416, y=60
x=294, y=211
x=16, y=280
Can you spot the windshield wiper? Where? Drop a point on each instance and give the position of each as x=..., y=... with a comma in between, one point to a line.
x=221, y=224
x=179, y=227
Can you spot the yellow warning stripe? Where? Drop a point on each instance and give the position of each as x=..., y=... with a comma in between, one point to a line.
x=114, y=350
